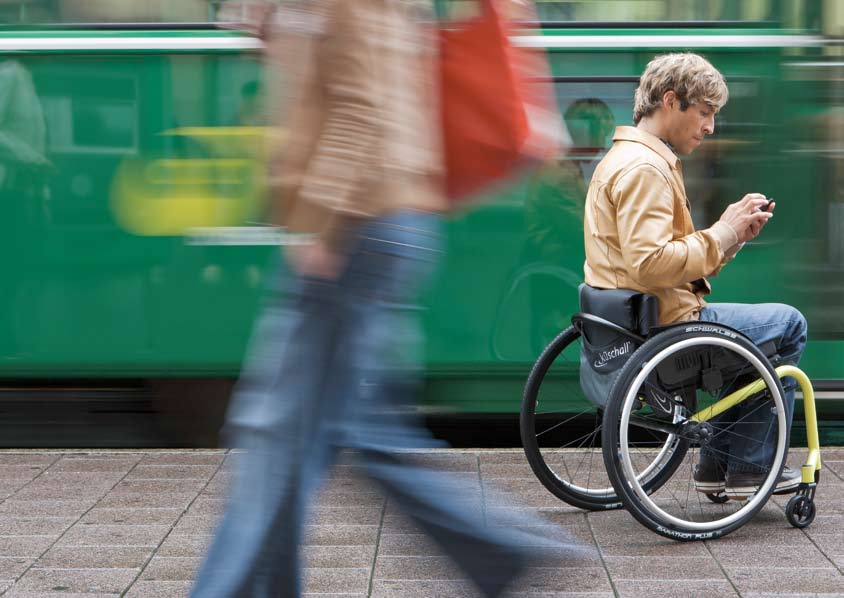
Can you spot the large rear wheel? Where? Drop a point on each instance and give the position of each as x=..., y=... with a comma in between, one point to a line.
x=734, y=459
x=561, y=433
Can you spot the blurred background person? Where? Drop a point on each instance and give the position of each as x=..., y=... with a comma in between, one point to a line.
x=24, y=190
x=336, y=351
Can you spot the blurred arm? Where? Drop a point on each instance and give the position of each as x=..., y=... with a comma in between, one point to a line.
x=346, y=156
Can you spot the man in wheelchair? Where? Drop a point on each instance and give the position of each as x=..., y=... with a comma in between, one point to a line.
x=639, y=235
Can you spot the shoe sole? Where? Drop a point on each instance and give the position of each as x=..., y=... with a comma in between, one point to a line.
x=745, y=492
x=710, y=487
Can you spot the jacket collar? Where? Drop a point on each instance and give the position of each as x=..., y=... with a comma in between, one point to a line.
x=650, y=141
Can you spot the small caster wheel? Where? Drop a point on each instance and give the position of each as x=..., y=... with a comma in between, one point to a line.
x=718, y=498
x=800, y=511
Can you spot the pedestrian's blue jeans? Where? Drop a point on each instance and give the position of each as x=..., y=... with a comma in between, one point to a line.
x=748, y=446
x=331, y=365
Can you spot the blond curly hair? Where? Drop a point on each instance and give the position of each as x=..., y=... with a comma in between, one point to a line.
x=690, y=76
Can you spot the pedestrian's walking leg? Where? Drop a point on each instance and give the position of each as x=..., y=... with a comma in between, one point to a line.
x=393, y=262
x=273, y=416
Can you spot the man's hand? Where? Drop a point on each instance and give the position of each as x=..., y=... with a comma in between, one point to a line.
x=314, y=260
x=746, y=216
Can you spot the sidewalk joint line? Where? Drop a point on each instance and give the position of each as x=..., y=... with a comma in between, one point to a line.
x=601, y=555
x=82, y=516
x=377, y=548
x=175, y=523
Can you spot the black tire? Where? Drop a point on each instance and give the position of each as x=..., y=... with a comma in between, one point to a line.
x=587, y=487
x=800, y=511
x=666, y=513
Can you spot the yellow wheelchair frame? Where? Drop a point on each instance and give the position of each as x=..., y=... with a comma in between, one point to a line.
x=800, y=509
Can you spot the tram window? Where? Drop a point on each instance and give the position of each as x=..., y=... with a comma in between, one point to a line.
x=100, y=116
x=792, y=13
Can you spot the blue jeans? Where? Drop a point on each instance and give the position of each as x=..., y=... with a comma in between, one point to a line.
x=330, y=367
x=748, y=445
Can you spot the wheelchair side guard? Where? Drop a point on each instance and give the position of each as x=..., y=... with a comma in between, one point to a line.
x=809, y=471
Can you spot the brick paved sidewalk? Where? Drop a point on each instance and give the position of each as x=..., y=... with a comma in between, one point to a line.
x=136, y=523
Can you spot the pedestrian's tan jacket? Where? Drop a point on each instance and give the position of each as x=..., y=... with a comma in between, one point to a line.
x=361, y=126
x=638, y=228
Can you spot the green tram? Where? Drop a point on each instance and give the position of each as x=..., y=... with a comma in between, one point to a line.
x=132, y=205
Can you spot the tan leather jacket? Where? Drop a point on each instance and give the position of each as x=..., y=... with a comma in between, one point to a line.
x=360, y=117
x=638, y=229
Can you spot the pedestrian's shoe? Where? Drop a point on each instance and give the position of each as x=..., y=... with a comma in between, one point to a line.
x=743, y=484
x=710, y=476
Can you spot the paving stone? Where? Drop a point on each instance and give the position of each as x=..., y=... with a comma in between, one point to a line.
x=45, y=508
x=786, y=579
x=95, y=464
x=510, y=471
x=348, y=499
x=831, y=543
x=416, y=567
x=447, y=461
x=132, y=516
x=179, y=500
x=183, y=458
x=737, y=555
x=13, y=593
x=517, y=493
x=837, y=560
x=655, y=546
x=571, y=519
x=757, y=533
x=114, y=535
x=110, y=557
x=104, y=581
x=195, y=524
x=674, y=589
x=355, y=515
x=172, y=472
x=34, y=526
x=332, y=581
x=11, y=488
x=185, y=546
x=38, y=490
x=151, y=487
x=382, y=588
x=563, y=579
x=28, y=458
x=345, y=557
x=21, y=472
x=501, y=457
x=341, y=535
x=672, y=567
x=206, y=505
x=159, y=589
x=12, y=546
x=13, y=567
x=171, y=569
x=407, y=545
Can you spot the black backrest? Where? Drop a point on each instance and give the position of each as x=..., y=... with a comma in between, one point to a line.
x=633, y=310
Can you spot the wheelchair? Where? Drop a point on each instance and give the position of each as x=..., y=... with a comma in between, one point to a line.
x=685, y=397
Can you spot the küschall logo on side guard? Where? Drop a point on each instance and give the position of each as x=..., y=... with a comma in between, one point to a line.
x=605, y=357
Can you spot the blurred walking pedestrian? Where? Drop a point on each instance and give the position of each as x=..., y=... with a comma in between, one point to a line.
x=337, y=349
